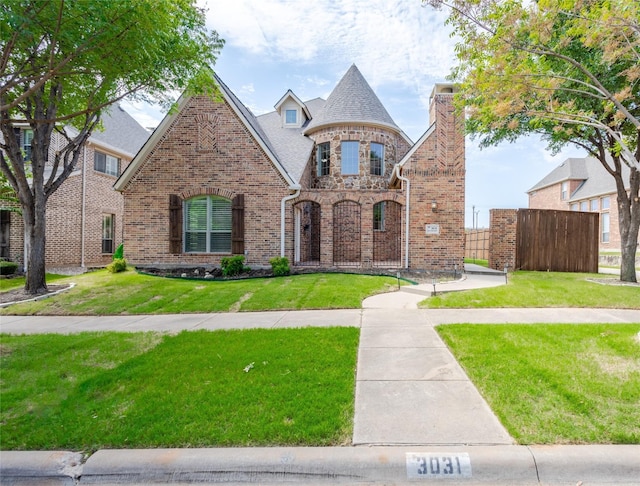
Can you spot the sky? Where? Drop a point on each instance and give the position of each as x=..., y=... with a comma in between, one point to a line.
x=402, y=49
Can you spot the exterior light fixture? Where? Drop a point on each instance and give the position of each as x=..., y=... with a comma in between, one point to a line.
x=434, y=206
x=434, y=281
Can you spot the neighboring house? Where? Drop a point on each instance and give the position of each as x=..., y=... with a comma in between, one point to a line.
x=85, y=214
x=326, y=183
x=582, y=184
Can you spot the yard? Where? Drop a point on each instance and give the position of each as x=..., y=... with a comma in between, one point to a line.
x=548, y=383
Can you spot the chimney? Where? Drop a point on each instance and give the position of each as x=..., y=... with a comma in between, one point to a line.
x=449, y=126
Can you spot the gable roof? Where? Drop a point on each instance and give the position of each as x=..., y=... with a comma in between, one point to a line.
x=596, y=181
x=352, y=101
x=243, y=113
x=291, y=145
x=291, y=95
x=121, y=130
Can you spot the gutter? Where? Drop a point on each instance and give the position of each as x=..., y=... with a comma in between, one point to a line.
x=84, y=203
x=396, y=171
x=283, y=202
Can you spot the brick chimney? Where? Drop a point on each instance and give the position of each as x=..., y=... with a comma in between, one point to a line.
x=449, y=133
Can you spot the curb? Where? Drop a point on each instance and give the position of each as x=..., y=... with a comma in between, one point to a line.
x=467, y=465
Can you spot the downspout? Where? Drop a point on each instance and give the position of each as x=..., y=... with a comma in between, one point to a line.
x=396, y=169
x=84, y=200
x=295, y=188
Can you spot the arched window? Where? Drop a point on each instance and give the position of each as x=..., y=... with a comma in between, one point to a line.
x=207, y=226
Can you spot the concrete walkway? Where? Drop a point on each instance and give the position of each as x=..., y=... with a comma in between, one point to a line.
x=417, y=415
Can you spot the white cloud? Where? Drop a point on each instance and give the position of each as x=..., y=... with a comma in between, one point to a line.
x=393, y=42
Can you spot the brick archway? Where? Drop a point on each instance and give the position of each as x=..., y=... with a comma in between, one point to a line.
x=308, y=223
x=347, y=249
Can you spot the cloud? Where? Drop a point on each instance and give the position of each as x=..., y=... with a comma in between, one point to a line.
x=393, y=42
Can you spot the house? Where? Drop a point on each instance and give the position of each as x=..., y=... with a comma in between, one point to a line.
x=325, y=183
x=582, y=184
x=85, y=214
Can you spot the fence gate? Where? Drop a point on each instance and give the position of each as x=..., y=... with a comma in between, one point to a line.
x=346, y=233
x=387, y=234
x=308, y=252
x=559, y=241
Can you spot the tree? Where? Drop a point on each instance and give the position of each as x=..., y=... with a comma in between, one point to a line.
x=568, y=70
x=62, y=62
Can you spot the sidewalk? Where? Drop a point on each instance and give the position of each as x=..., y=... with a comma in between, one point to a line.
x=417, y=415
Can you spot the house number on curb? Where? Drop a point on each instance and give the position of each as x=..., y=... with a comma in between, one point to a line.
x=440, y=465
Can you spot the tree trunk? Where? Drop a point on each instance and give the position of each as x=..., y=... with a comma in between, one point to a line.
x=34, y=237
x=629, y=223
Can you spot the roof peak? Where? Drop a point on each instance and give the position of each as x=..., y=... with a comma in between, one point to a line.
x=353, y=101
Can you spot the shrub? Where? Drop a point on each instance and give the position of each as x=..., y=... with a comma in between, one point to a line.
x=117, y=265
x=8, y=268
x=232, y=266
x=280, y=266
x=119, y=254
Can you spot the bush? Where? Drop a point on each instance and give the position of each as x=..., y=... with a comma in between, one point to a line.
x=232, y=266
x=119, y=254
x=117, y=265
x=280, y=266
x=8, y=268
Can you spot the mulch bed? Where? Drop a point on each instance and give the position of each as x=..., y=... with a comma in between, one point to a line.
x=19, y=295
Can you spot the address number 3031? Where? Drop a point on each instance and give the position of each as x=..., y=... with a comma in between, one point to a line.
x=441, y=465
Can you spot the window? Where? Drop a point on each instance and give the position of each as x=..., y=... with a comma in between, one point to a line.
x=564, y=190
x=376, y=159
x=291, y=117
x=207, y=225
x=574, y=207
x=584, y=206
x=323, y=156
x=350, y=161
x=378, y=216
x=108, y=223
x=107, y=164
x=593, y=205
x=605, y=227
x=606, y=202
x=27, y=138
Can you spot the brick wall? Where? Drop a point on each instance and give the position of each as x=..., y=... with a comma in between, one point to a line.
x=437, y=173
x=64, y=232
x=226, y=160
x=548, y=198
x=502, y=243
x=229, y=163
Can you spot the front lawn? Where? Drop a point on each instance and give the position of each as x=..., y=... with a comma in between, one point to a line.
x=104, y=293
x=545, y=289
x=195, y=389
x=555, y=383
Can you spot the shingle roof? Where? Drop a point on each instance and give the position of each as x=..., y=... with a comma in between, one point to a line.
x=597, y=180
x=352, y=101
x=121, y=131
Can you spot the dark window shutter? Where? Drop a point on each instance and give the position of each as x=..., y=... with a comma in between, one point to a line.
x=175, y=224
x=237, y=225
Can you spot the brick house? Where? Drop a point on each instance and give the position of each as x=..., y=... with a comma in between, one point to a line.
x=326, y=183
x=85, y=214
x=582, y=184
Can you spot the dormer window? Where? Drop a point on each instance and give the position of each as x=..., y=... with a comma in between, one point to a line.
x=293, y=112
x=291, y=117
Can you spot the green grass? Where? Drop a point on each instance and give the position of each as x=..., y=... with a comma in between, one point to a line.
x=543, y=289
x=556, y=383
x=477, y=261
x=104, y=293
x=17, y=282
x=195, y=389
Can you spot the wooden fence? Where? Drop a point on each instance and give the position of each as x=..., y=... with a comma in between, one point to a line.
x=559, y=241
x=477, y=244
